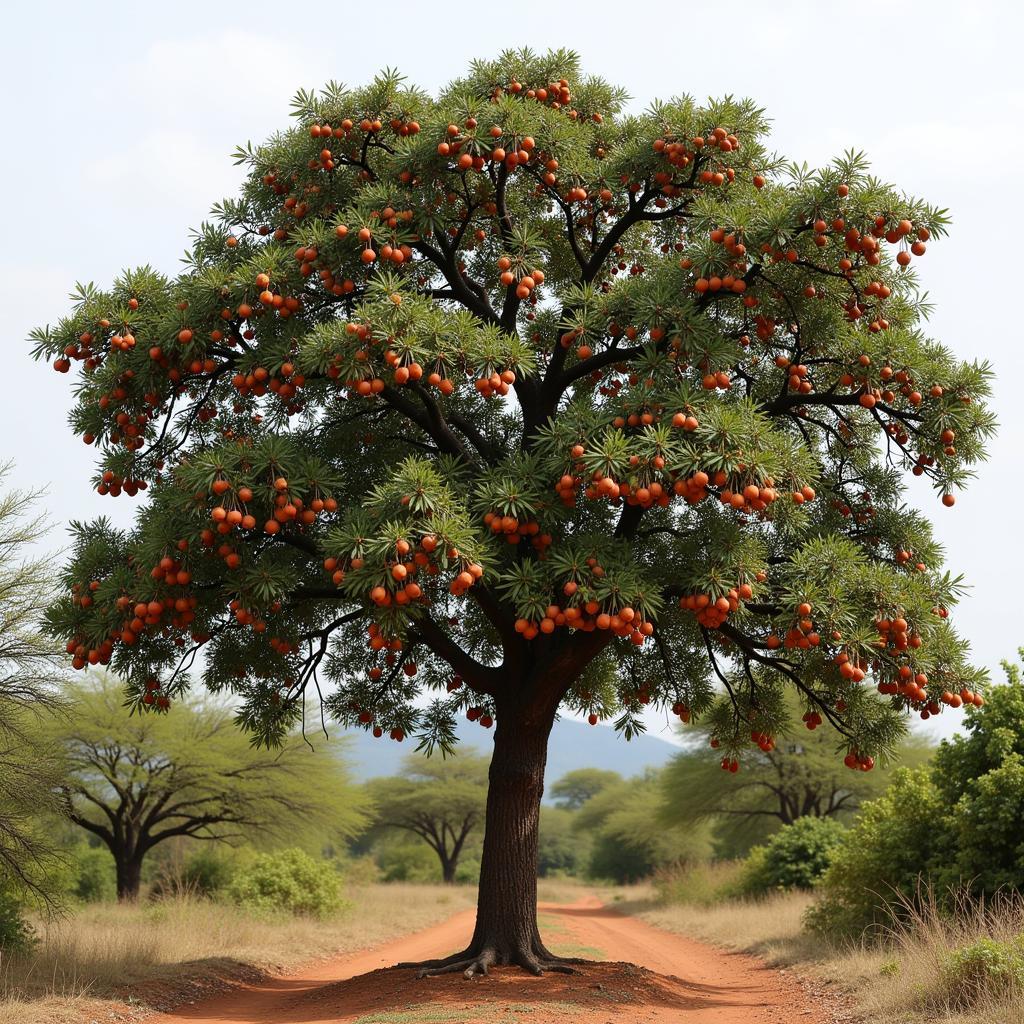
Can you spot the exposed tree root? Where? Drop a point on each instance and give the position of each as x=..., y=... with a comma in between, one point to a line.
x=474, y=962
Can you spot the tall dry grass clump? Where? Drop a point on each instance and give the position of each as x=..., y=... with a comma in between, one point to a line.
x=960, y=961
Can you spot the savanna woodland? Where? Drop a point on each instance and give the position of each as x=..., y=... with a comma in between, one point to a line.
x=506, y=402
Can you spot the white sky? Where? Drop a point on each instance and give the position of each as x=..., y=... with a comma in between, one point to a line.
x=120, y=118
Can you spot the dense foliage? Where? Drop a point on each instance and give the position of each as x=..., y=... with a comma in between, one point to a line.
x=956, y=822
x=794, y=858
x=719, y=371
x=29, y=677
x=136, y=781
x=289, y=881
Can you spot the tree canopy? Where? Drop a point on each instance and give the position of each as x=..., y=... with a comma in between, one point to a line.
x=575, y=788
x=521, y=400
x=797, y=776
x=440, y=800
x=29, y=677
x=136, y=780
x=683, y=321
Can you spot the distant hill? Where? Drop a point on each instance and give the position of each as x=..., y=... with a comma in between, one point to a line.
x=573, y=745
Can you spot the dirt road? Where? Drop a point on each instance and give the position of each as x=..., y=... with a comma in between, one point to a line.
x=679, y=980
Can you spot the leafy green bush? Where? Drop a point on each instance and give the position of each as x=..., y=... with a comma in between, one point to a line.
x=92, y=875
x=892, y=841
x=206, y=872
x=956, y=821
x=986, y=967
x=16, y=934
x=795, y=857
x=290, y=881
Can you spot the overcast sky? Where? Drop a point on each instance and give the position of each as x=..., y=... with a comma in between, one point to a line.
x=120, y=118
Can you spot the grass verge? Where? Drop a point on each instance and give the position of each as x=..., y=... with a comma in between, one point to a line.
x=148, y=956
x=960, y=968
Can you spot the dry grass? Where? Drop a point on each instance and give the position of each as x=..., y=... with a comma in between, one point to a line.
x=771, y=927
x=103, y=951
x=907, y=977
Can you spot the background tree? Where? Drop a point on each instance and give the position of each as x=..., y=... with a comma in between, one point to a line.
x=29, y=673
x=797, y=776
x=560, y=849
x=441, y=801
x=587, y=409
x=138, y=780
x=575, y=788
x=628, y=841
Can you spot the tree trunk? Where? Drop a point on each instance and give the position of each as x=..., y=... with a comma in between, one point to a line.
x=129, y=877
x=506, y=918
x=448, y=871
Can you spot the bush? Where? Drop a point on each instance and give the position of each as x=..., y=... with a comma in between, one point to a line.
x=206, y=872
x=956, y=822
x=985, y=968
x=795, y=857
x=892, y=841
x=289, y=881
x=16, y=934
x=92, y=875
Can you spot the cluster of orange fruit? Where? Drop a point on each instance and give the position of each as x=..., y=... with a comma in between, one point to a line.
x=514, y=530
x=625, y=623
x=112, y=484
x=801, y=636
x=711, y=612
x=681, y=153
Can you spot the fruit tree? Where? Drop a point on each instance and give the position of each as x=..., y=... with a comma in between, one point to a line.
x=507, y=401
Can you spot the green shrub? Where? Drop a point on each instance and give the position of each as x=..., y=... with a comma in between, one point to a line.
x=405, y=860
x=986, y=967
x=92, y=875
x=16, y=934
x=936, y=828
x=795, y=857
x=206, y=872
x=289, y=881
x=893, y=840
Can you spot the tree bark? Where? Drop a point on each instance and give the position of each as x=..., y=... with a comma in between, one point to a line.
x=448, y=871
x=506, y=919
x=129, y=877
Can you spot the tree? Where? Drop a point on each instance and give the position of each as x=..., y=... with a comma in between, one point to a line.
x=797, y=776
x=575, y=788
x=629, y=839
x=514, y=398
x=441, y=801
x=29, y=672
x=137, y=780
x=559, y=850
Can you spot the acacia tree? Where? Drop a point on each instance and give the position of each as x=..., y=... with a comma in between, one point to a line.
x=575, y=788
x=441, y=801
x=797, y=776
x=512, y=397
x=29, y=678
x=136, y=781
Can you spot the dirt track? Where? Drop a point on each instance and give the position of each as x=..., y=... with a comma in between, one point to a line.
x=679, y=980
